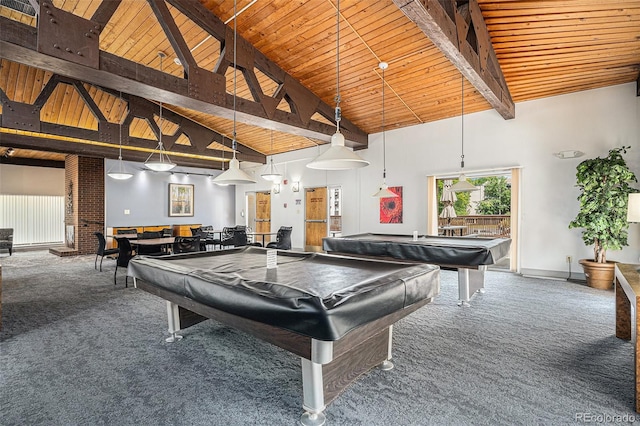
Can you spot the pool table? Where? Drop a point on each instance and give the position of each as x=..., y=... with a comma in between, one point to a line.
x=335, y=312
x=470, y=256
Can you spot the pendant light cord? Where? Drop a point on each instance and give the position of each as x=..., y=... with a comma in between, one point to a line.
x=160, y=117
x=384, y=139
x=338, y=110
x=120, y=134
x=235, y=70
x=462, y=122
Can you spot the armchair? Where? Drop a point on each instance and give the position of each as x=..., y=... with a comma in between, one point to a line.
x=283, y=239
x=6, y=239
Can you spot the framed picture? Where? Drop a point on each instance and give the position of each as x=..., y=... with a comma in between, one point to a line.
x=180, y=200
x=391, y=208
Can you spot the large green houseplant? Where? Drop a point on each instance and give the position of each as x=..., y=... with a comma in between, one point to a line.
x=604, y=185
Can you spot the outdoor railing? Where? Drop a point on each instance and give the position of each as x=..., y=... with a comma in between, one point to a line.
x=497, y=226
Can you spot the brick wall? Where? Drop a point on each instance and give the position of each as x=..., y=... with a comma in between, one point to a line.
x=84, y=178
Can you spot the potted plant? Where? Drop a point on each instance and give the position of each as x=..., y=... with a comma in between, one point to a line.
x=604, y=185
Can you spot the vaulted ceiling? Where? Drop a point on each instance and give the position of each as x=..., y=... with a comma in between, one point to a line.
x=87, y=73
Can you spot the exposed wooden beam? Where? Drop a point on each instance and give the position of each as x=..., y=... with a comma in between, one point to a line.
x=96, y=151
x=26, y=117
x=105, y=11
x=18, y=43
x=35, y=162
x=461, y=34
x=173, y=34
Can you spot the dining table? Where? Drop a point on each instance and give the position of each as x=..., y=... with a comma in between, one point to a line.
x=261, y=234
x=165, y=242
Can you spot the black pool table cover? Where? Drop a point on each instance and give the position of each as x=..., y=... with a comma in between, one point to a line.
x=317, y=295
x=430, y=249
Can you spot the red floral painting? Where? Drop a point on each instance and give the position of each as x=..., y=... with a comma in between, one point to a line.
x=391, y=208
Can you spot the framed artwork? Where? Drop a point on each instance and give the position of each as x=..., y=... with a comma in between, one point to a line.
x=180, y=199
x=391, y=207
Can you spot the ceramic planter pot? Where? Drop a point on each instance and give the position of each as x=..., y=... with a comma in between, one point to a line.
x=599, y=275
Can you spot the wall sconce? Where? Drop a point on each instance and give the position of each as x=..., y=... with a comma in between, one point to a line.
x=276, y=188
x=295, y=187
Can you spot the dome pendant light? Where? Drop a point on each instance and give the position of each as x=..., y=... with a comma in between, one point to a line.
x=384, y=191
x=233, y=175
x=163, y=163
x=119, y=172
x=463, y=185
x=272, y=175
x=338, y=156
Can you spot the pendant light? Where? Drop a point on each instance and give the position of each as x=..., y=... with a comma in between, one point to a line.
x=119, y=172
x=338, y=156
x=463, y=185
x=233, y=175
x=384, y=191
x=272, y=175
x=163, y=163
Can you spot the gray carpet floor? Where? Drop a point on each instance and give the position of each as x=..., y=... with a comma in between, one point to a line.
x=75, y=350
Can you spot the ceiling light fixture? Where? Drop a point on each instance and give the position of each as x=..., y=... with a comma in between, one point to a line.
x=163, y=163
x=338, y=156
x=234, y=176
x=272, y=175
x=463, y=185
x=384, y=191
x=118, y=171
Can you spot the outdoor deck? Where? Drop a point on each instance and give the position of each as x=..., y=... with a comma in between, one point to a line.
x=496, y=226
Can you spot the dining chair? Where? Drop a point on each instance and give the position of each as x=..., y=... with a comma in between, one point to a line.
x=206, y=236
x=125, y=253
x=127, y=231
x=186, y=244
x=153, y=250
x=283, y=239
x=102, y=250
x=226, y=239
x=240, y=236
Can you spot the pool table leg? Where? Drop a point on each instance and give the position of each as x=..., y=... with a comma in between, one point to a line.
x=313, y=394
x=469, y=282
x=387, y=365
x=173, y=317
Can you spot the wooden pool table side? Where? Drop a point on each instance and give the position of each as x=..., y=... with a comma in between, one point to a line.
x=627, y=288
x=327, y=367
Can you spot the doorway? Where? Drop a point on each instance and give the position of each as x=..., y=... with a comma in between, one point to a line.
x=492, y=211
x=259, y=213
x=315, y=218
x=263, y=214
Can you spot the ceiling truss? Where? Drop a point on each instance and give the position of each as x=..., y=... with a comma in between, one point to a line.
x=460, y=32
x=68, y=46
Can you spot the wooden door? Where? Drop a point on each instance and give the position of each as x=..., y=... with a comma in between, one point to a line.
x=263, y=215
x=315, y=218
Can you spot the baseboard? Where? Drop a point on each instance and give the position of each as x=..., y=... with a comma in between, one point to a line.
x=577, y=277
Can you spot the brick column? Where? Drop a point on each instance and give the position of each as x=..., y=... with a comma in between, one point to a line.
x=84, y=201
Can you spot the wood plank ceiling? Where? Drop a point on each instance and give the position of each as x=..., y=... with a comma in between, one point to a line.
x=544, y=48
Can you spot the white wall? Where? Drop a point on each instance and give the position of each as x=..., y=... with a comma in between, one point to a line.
x=29, y=180
x=591, y=121
x=146, y=196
